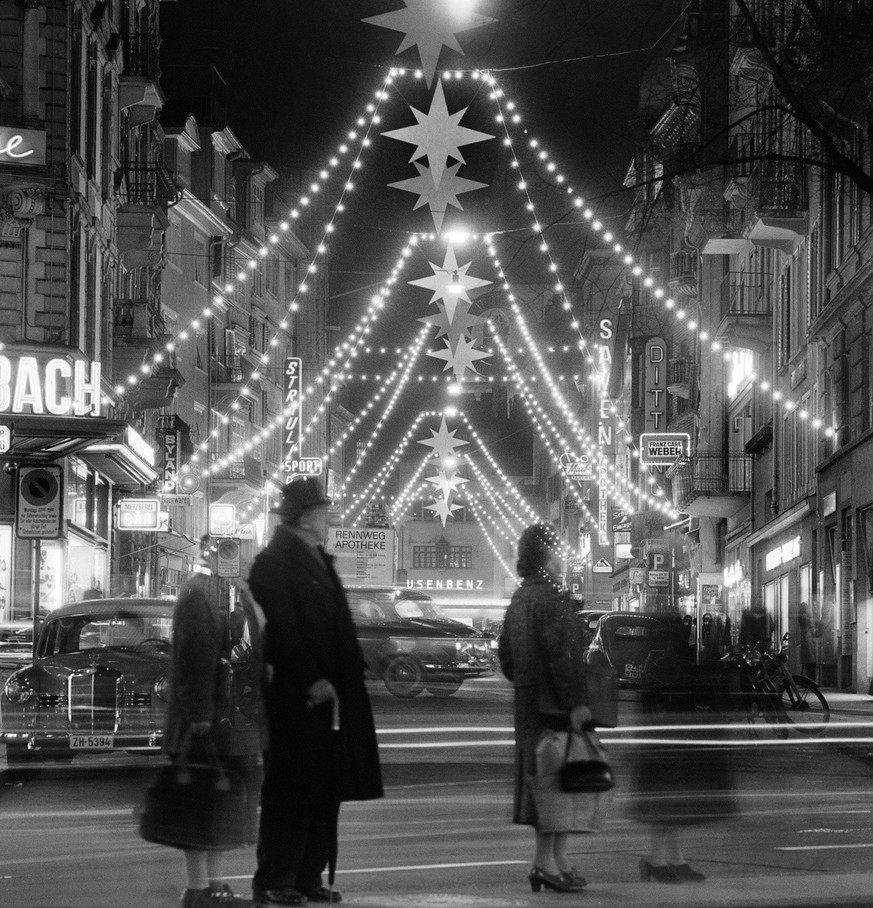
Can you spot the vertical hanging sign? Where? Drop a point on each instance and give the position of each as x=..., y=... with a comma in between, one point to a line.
x=656, y=385
x=170, y=468
x=293, y=371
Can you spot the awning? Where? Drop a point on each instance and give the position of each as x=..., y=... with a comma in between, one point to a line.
x=48, y=438
x=119, y=463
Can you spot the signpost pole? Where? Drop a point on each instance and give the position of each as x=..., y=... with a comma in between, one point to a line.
x=37, y=555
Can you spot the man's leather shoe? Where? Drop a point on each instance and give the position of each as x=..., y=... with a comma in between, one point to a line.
x=323, y=894
x=278, y=898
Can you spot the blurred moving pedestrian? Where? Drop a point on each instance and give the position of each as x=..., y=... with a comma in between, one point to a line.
x=540, y=651
x=810, y=633
x=203, y=722
x=687, y=784
x=322, y=738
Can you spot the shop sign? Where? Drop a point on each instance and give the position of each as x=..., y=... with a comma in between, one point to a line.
x=637, y=575
x=304, y=466
x=175, y=501
x=621, y=523
x=55, y=386
x=22, y=146
x=39, y=514
x=364, y=555
x=447, y=584
x=170, y=468
x=656, y=385
x=663, y=448
x=139, y=445
x=602, y=566
x=5, y=438
x=293, y=375
x=734, y=574
x=580, y=468
x=782, y=554
x=222, y=519
x=143, y=514
x=659, y=578
x=623, y=551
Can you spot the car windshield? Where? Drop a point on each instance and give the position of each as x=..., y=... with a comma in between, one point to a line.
x=123, y=630
x=418, y=608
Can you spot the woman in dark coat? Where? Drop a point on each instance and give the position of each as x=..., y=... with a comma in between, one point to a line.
x=204, y=720
x=322, y=738
x=540, y=652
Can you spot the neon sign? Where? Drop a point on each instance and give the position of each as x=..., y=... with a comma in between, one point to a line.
x=22, y=146
x=57, y=387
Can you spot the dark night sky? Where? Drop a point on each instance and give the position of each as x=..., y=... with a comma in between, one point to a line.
x=298, y=74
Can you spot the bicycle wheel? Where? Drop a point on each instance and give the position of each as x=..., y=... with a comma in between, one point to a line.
x=805, y=706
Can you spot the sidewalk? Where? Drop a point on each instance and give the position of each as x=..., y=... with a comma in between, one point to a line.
x=850, y=890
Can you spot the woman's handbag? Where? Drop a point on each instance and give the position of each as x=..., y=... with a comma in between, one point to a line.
x=200, y=805
x=558, y=810
x=585, y=767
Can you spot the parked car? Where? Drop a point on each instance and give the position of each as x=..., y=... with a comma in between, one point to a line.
x=412, y=646
x=99, y=681
x=16, y=645
x=589, y=619
x=626, y=640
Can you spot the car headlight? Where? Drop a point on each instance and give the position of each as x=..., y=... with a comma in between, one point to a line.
x=17, y=690
x=162, y=688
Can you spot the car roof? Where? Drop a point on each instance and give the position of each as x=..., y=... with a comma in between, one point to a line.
x=110, y=607
x=631, y=617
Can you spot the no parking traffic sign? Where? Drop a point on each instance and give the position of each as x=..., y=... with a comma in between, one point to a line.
x=39, y=502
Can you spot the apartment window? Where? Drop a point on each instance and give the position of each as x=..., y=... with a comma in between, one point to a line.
x=174, y=243
x=442, y=555
x=92, y=111
x=201, y=262
x=813, y=275
x=273, y=275
x=257, y=211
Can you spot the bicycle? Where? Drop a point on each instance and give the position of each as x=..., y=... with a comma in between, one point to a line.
x=803, y=703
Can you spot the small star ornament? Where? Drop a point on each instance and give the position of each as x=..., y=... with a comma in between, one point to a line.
x=443, y=509
x=460, y=358
x=443, y=442
x=437, y=197
x=450, y=282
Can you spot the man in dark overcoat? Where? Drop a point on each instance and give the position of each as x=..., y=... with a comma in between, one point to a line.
x=322, y=738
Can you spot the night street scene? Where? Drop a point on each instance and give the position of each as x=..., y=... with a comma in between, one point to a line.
x=437, y=453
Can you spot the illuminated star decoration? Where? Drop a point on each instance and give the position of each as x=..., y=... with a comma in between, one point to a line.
x=458, y=327
x=438, y=134
x=461, y=357
x=428, y=25
x=450, y=282
x=437, y=197
x=444, y=443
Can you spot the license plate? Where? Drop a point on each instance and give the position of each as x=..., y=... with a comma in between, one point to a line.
x=92, y=742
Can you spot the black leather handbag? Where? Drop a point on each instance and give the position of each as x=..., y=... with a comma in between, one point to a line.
x=200, y=805
x=585, y=767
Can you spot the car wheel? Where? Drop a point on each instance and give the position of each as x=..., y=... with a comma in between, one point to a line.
x=403, y=677
x=444, y=687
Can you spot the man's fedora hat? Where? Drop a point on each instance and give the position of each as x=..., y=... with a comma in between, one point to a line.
x=300, y=494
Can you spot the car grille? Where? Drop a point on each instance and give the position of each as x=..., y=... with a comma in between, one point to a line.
x=93, y=699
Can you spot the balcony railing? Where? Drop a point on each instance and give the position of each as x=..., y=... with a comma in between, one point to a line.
x=228, y=369
x=683, y=271
x=711, y=474
x=781, y=186
x=136, y=319
x=148, y=184
x=746, y=293
x=680, y=372
x=141, y=55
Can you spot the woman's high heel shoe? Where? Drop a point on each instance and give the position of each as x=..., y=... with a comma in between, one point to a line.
x=575, y=878
x=660, y=874
x=685, y=872
x=555, y=881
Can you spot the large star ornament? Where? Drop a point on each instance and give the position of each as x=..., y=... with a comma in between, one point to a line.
x=428, y=25
x=447, y=484
x=443, y=442
x=460, y=359
x=438, y=135
x=438, y=197
x=458, y=327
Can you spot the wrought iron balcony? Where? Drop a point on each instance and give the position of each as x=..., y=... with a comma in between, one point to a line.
x=227, y=370
x=683, y=272
x=780, y=197
x=141, y=55
x=137, y=321
x=713, y=484
x=680, y=377
x=746, y=310
x=719, y=231
x=148, y=184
